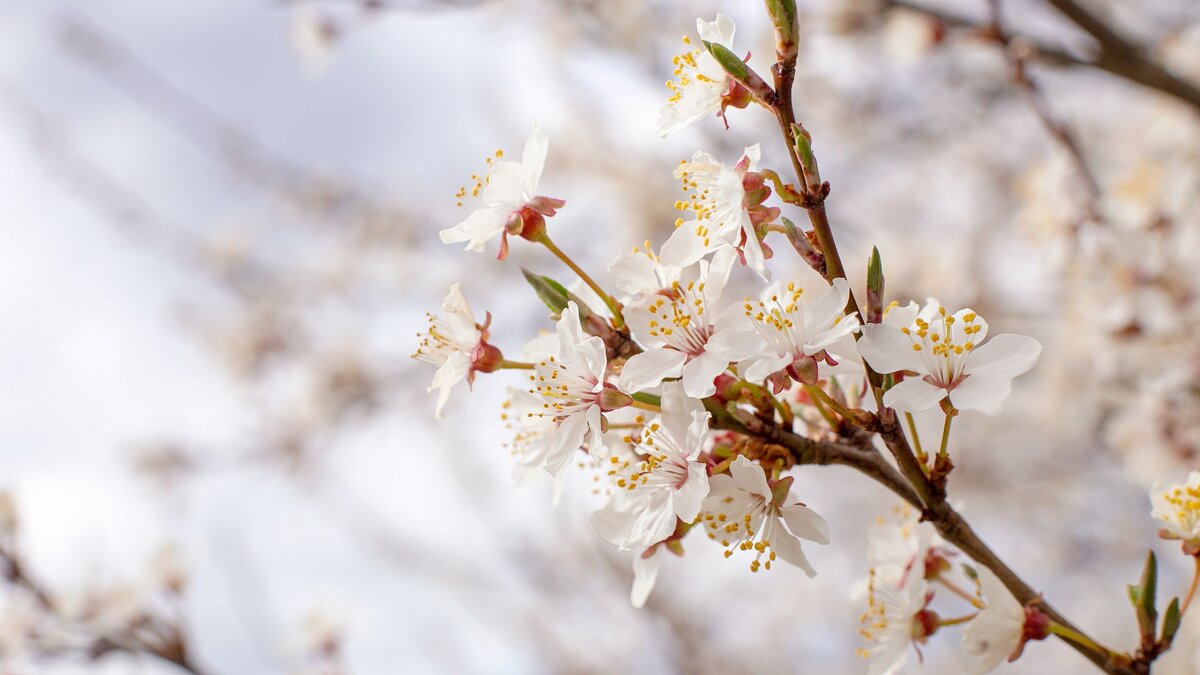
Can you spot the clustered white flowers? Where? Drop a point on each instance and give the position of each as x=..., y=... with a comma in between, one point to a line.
x=635, y=386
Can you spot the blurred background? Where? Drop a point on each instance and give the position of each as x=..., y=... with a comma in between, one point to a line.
x=220, y=239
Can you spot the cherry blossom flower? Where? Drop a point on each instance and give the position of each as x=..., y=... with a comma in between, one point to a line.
x=703, y=88
x=457, y=346
x=727, y=207
x=946, y=356
x=783, y=336
x=744, y=511
x=674, y=319
x=664, y=482
x=573, y=392
x=997, y=633
x=504, y=200
x=1178, y=507
x=896, y=617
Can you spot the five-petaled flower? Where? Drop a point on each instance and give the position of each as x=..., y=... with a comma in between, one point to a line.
x=944, y=355
x=663, y=481
x=504, y=200
x=703, y=88
x=746, y=512
x=457, y=346
x=1178, y=507
x=727, y=209
x=674, y=316
x=574, y=393
x=782, y=336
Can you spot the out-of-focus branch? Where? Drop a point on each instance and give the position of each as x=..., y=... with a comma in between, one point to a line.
x=1056, y=127
x=1115, y=54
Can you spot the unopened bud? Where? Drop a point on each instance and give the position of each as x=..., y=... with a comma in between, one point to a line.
x=743, y=74
x=800, y=241
x=554, y=294
x=787, y=28
x=874, y=287
x=612, y=398
x=808, y=161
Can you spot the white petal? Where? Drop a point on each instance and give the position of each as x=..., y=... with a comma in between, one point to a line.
x=715, y=273
x=719, y=30
x=655, y=523
x=684, y=247
x=699, y=374
x=453, y=371
x=634, y=273
x=1005, y=355
x=788, y=548
x=913, y=395
x=612, y=524
x=984, y=393
x=533, y=159
x=888, y=350
x=595, y=436
x=901, y=316
x=825, y=307
x=564, y=441
x=645, y=574
x=650, y=368
x=757, y=369
x=477, y=229
x=677, y=412
x=750, y=477
x=690, y=496
x=735, y=338
x=806, y=523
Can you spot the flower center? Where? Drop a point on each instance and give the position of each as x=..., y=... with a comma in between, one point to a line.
x=944, y=344
x=477, y=181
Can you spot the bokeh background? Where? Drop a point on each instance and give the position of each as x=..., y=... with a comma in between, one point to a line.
x=220, y=239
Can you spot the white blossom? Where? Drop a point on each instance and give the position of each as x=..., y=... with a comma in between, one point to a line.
x=742, y=511
x=1178, y=508
x=504, y=200
x=673, y=318
x=995, y=634
x=946, y=356
x=664, y=482
x=721, y=214
x=453, y=343
x=702, y=85
x=894, y=620
x=572, y=391
x=783, y=333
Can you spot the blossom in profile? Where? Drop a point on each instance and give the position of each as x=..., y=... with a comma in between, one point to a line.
x=701, y=86
x=664, y=481
x=745, y=512
x=785, y=336
x=942, y=354
x=673, y=316
x=1177, y=507
x=897, y=617
x=504, y=200
x=456, y=345
x=998, y=632
x=726, y=205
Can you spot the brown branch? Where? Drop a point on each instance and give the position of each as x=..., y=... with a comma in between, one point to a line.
x=1115, y=54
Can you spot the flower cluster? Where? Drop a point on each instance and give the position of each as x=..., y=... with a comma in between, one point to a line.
x=694, y=408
